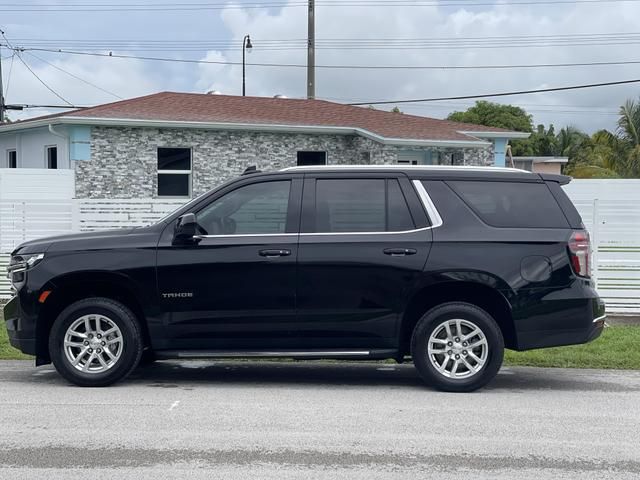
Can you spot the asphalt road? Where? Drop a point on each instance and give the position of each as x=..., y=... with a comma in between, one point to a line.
x=206, y=420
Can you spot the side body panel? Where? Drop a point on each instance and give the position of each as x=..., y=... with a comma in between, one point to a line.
x=350, y=292
x=529, y=267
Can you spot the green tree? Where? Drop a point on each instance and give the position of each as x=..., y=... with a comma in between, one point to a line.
x=396, y=110
x=497, y=115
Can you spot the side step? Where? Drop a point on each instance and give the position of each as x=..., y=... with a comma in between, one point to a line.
x=352, y=354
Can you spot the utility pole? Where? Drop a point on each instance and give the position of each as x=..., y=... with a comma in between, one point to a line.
x=311, y=51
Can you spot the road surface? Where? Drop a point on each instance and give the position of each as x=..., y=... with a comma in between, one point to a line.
x=237, y=420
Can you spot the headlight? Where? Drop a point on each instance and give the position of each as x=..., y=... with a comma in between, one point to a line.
x=20, y=264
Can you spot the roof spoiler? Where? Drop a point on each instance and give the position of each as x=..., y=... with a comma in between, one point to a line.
x=550, y=177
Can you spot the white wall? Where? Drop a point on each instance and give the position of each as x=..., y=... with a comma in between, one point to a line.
x=36, y=184
x=30, y=146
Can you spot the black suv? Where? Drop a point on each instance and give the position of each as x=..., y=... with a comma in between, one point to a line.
x=446, y=265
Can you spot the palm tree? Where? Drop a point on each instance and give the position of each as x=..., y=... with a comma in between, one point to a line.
x=569, y=141
x=629, y=122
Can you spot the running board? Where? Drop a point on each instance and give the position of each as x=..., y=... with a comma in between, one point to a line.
x=308, y=354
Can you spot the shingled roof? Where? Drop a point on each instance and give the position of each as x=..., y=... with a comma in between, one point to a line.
x=192, y=110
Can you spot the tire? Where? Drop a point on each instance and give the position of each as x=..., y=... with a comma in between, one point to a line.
x=100, y=360
x=478, y=357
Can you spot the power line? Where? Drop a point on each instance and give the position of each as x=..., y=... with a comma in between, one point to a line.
x=75, y=76
x=171, y=7
x=337, y=66
x=6, y=87
x=501, y=94
x=22, y=106
x=532, y=41
x=42, y=81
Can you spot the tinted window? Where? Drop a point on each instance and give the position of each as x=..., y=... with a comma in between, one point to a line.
x=173, y=185
x=52, y=157
x=174, y=159
x=399, y=217
x=258, y=208
x=515, y=205
x=174, y=172
x=312, y=158
x=360, y=205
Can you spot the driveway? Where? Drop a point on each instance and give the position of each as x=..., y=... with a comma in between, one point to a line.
x=204, y=420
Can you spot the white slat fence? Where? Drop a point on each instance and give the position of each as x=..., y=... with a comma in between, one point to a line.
x=610, y=210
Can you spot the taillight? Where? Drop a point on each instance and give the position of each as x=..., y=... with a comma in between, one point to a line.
x=580, y=252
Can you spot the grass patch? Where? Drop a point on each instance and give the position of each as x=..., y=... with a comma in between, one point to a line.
x=616, y=348
x=7, y=352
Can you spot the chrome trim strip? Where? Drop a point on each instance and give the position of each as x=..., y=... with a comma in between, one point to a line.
x=247, y=235
x=254, y=354
x=432, y=211
x=603, y=317
x=311, y=234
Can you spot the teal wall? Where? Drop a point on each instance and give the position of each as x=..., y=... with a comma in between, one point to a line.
x=499, y=149
x=79, y=143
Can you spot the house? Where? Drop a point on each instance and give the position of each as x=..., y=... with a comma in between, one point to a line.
x=541, y=164
x=178, y=145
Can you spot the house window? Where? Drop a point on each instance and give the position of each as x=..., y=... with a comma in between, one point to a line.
x=312, y=158
x=174, y=172
x=52, y=157
x=12, y=159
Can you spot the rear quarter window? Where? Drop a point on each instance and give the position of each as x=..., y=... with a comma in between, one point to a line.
x=511, y=204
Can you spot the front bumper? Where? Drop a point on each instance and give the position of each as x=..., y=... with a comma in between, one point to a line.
x=20, y=329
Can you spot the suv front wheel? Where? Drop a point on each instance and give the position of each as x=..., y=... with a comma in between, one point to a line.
x=457, y=347
x=95, y=342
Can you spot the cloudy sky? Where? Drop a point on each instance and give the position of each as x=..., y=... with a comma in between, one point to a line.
x=424, y=33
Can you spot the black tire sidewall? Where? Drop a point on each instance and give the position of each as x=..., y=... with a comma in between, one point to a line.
x=121, y=316
x=431, y=320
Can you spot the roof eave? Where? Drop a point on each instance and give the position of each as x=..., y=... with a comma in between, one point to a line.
x=510, y=135
x=337, y=130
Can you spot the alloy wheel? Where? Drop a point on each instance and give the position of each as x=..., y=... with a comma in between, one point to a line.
x=93, y=344
x=458, y=349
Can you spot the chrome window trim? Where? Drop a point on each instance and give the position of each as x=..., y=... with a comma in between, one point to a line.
x=432, y=211
x=247, y=235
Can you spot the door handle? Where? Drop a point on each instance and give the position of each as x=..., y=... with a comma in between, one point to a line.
x=400, y=252
x=274, y=253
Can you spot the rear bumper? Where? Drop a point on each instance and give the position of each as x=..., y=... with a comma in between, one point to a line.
x=20, y=329
x=571, y=320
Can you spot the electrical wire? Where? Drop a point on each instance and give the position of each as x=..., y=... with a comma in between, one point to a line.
x=501, y=94
x=172, y=7
x=42, y=81
x=337, y=66
x=75, y=76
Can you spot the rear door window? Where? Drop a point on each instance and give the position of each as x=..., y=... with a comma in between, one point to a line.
x=361, y=205
x=512, y=204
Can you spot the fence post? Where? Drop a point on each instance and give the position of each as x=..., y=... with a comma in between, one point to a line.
x=595, y=240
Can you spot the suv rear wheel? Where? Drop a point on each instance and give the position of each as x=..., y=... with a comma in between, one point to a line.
x=95, y=342
x=457, y=347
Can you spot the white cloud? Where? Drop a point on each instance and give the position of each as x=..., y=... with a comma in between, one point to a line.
x=126, y=78
x=130, y=78
x=427, y=22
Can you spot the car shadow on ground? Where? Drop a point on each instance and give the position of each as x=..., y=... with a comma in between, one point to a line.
x=192, y=374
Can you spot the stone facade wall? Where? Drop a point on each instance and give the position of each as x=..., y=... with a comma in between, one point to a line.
x=124, y=160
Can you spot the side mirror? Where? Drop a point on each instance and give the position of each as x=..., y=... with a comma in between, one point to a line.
x=185, y=229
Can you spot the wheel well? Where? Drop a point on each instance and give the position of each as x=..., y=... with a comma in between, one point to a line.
x=63, y=296
x=482, y=296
